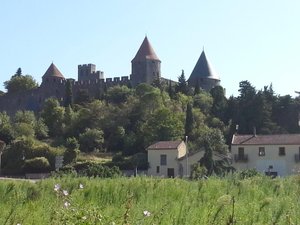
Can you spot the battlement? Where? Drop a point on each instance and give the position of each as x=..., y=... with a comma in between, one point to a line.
x=88, y=72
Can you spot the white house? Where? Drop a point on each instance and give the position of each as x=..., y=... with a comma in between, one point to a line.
x=276, y=154
x=169, y=159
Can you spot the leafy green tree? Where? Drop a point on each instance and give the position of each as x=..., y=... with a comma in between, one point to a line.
x=163, y=125
x=53, y=116
x=72, y=151
x=6, y=129
x=41, y=130
x=219, y=106
x=91, y=140
x=203, y=101
x=189, y=120
x=19, y=83
x=118, y=94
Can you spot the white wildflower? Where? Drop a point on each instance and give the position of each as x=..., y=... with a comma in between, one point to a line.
x=65, y=193
x=80, y=186
x=56, y=187
x=67, y=204
x=146, y=213
x=84, y=217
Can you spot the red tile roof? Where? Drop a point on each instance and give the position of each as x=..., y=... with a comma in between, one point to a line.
x=52, y=71
x=145, y=52
x=164, y=145
x=274, y=139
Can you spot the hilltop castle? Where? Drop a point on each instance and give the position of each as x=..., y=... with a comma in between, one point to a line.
x=145, y=68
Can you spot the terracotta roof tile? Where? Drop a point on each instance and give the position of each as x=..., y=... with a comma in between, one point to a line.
x=52, y=71
x=164, y=145
x=274, y=139
x=145, y=52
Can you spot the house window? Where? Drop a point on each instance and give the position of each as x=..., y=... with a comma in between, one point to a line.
x=281, y=151
x=163, y=160
x=241, y=152
x=261, y=151
x=157, y=169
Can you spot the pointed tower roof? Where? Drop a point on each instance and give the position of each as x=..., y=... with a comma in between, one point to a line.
x=145, y=52
x=52, y=71
x=204, y=69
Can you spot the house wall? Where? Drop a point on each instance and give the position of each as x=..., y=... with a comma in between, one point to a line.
x=191, y=160
x=172, y=160
x=154, y=161
x=284, y=165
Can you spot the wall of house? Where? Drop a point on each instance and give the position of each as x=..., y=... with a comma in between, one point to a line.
x=282, y=164
x=154, y=161
x=192, y=159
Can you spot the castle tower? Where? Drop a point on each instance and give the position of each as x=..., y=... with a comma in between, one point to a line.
x=145, y=66
x=52, y=76
x=204, y=75
x=88, y=72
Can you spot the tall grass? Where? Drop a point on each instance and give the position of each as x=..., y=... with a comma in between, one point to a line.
x=142, y=200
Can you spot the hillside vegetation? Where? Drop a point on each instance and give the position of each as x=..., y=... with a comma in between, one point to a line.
x=231, y=200
x=124, y=121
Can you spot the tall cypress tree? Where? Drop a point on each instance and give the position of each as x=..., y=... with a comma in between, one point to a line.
x=69, y=94
x=189, y=120
x=182, y=84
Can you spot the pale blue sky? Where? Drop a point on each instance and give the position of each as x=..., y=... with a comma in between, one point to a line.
x=255, y=40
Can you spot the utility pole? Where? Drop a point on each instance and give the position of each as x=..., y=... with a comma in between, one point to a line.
x=187, y=157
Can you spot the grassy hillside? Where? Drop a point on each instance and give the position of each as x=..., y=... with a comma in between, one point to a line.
x=257, y=200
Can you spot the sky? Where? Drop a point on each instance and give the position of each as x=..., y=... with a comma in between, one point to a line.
x=256, y=40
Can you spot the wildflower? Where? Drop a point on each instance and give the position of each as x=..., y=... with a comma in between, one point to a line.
x=67, y=204
x=146, y=213
x=113, y=223
x=56, y=187
x=18, y=224
x=84, y=217
x=80, y=186
x=65, y=193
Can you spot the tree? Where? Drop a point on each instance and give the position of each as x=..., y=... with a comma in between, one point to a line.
x=197, y=88
x=163, y=125
x=219, y=106
x=53, y=116
x=6, y=129
x=91, y=140
x=214, y=145
x=118, y=94
x=69, y=94
x=72, y=151
x=182, y=84
x=19, y=72
x=189, y=120
x=19, y=83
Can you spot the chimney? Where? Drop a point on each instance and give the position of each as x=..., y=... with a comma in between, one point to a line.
x=236, y=128
x=254, y=131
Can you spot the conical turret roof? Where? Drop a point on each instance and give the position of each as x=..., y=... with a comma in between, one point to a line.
x=145, y=52
x=52, y=71
x=203, y=69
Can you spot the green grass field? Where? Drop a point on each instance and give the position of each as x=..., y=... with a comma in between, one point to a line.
x=142, y=200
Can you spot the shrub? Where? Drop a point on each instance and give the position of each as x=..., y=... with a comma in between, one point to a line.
x=72, y=151
x=91, y=140
x=92, y=169
x=37, y=165
x=247, y=173
x=198, y=171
